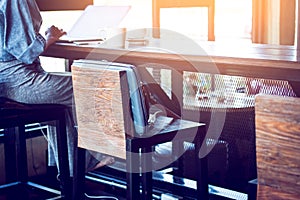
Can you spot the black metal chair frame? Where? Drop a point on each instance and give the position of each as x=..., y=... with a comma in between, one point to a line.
x=182, y=129
x=13, y=118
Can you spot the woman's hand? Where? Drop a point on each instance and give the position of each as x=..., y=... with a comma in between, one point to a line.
x=53, y=34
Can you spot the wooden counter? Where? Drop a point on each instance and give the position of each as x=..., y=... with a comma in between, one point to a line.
x=249, y=60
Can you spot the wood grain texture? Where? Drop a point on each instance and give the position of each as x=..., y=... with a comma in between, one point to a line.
x=99, y=110
x=271, y=193
x=278, y=142
x=255, y=60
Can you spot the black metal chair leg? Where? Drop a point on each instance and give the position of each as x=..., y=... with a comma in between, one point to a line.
x=10, y=154
x=147, y=182
x=62, y=147
x=201, y=172
x=79, y=173
x=132, y=171
x=21, y=155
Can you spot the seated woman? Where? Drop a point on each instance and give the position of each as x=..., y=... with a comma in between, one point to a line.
x=22, y=77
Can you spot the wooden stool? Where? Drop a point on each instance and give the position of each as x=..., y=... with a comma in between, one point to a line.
x=13, y=118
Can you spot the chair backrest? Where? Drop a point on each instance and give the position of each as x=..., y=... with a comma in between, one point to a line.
x=106, y=94
x=277, y=121
x=158, y=4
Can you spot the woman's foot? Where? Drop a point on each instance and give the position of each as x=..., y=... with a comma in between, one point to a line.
x=107, y=160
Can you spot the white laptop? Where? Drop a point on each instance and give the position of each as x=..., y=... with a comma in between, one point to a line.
x=94, y=19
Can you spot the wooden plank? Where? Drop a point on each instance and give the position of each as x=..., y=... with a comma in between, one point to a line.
x=267, y=193
x=99, y=110
x=278, y=142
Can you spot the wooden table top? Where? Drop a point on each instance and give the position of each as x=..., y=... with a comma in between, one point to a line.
x=279, y=62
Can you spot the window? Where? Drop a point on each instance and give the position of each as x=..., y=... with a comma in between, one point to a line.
x=273, y=20
x=232, y=18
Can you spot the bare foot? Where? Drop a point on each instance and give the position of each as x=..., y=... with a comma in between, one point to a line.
x=107, y=160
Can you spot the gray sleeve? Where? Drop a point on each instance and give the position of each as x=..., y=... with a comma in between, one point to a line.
x=21, y=39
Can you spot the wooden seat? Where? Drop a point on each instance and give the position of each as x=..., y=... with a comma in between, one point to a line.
x=158, y=4
x=112, y=119
x=277, y=121
x=13, y=118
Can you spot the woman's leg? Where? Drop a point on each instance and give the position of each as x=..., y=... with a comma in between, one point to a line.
x=33, y=85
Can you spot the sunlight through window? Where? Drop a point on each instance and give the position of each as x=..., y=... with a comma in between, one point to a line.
x=233, y=20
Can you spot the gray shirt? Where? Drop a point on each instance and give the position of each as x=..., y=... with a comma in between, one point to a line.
x=20, y=22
